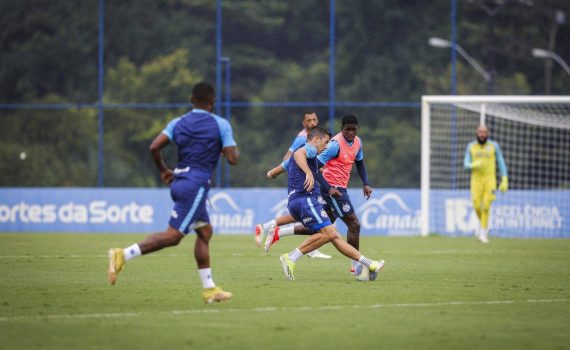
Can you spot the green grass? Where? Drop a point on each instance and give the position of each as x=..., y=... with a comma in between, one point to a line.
x=434, y=293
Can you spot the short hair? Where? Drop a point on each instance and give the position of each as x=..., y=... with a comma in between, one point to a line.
x=317, y=131
x=203, y=92
x=349, y=119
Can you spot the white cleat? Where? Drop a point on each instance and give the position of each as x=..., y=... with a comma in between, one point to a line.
x=316, y=254
x=483, y=239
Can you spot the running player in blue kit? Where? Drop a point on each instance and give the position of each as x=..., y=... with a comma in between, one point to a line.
x=200, y=138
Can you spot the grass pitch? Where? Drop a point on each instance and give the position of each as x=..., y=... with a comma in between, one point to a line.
x=434, y=293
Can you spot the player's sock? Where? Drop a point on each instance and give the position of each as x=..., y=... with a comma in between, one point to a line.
x=206, y=277
x=132, y=252
x=365, y=261
x=286, y=230
x=295, y=255
x=269, y=224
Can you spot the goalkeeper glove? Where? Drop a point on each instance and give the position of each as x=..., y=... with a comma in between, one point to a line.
x=504, y=186
x=476, y=164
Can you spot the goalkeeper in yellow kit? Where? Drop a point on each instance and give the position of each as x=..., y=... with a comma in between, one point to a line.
x=482, y=157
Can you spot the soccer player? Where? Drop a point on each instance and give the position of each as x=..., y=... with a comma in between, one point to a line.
x=200, y=137
x=305, y=207
x=310, y=120
x=344, y=150
x=482, y=157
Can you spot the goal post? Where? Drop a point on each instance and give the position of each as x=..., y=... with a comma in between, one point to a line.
x=534, y=135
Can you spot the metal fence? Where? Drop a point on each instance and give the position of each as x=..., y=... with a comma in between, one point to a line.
x=102, y=160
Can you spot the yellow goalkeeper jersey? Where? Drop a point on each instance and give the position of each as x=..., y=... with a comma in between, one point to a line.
x=489, y=155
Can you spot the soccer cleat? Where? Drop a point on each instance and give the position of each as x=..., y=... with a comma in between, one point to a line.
x=374, y=268
x=260, y=234
x=116, y=263
x=288, y=266
x=215, y=294
x=483, y=239
x=352, y=271
x=316, y=254
x=272, y=237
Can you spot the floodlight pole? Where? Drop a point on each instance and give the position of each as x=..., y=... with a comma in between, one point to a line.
x=541, y=53
x=442, y=43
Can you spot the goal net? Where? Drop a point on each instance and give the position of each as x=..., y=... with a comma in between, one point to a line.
x=533, y=133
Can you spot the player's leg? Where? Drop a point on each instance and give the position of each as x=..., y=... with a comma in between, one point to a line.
x=262, y=230
x=353, y=234
x=273, y=230
x=330, y=234
x=477, y=199
x=186, y=206
x=342, y=208
x=118, y=257
x=310, y=212
x=210, y=293
x=488, y=199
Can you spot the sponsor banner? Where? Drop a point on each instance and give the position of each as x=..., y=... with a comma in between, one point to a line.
x=517, y=213
x=237, y=211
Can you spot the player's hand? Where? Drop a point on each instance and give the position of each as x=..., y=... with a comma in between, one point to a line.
x=334, y=192
x=367, y=190
x=476, y=164
x=309, y=182
x=269, y=175
x=504, y=186
x=167, y=176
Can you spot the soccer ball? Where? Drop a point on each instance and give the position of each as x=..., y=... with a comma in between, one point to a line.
x=362, y=273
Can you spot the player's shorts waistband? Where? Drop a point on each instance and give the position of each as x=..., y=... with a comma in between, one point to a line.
x=181, y=170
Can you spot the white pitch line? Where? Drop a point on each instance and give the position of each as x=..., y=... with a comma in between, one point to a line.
x=270, y=309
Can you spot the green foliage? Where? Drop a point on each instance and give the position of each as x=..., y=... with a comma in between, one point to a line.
x=156, y=50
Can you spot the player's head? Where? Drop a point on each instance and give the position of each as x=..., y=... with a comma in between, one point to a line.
x=203, y=96
x=349, y=127
x=318, y=137
x=310, y=120
x=482, y=134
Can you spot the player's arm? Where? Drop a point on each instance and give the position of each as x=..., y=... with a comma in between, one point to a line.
x=331, y=151
x=231, y=154
x=278, y=170
x=361, y=170
x=287, y=155
x=161, y=141
x=468, y=162
x=229, y=145
x=300, y=157
x=297, y=142
x=504, y=186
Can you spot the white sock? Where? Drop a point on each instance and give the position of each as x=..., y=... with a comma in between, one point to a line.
x=268, y=224
x=286, y=230
x=132, y=252
x=364, y=260
x=295, y=255
x=484, y=233
x=206, y=277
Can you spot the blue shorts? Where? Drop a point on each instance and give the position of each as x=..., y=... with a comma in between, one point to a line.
x=340, y=206
x=309, y=212
x=189, y=203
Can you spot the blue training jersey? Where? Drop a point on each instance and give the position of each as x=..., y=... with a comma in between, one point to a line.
x=296, y=176
x=200, y=137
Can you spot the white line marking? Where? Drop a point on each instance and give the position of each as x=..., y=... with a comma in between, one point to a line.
x=271, y=309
